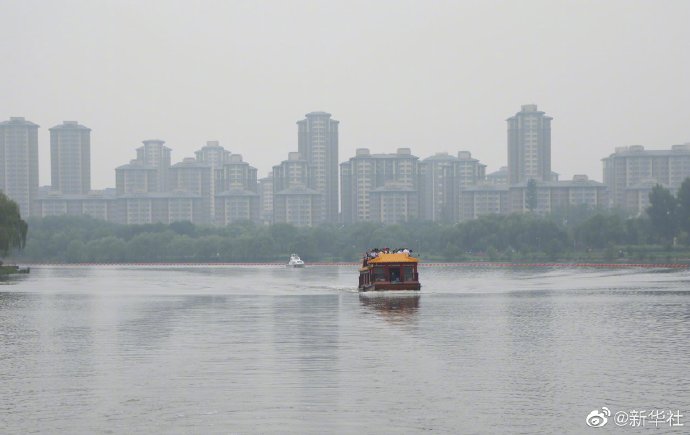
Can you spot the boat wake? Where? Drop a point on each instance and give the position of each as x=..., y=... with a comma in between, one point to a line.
x=390, y=293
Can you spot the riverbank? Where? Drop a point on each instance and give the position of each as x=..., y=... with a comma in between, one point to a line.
x=464, y=264
x=612, y=256
x=12, y=269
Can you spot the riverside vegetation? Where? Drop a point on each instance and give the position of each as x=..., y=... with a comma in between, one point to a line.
x=12, y=231
x=572, y=234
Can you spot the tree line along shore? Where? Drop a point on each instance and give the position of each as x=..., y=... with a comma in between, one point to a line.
x=574, y=234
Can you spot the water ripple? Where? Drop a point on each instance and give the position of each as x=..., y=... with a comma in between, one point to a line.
x=274, y=350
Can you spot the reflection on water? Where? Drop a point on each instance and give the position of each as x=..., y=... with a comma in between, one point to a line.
x=13, y=278
x=277, y=350
x=391, y=306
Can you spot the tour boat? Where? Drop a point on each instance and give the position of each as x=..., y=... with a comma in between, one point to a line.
x=295, y=261
x=389, y=271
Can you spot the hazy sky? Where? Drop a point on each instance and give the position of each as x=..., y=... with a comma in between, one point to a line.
x=430, y=75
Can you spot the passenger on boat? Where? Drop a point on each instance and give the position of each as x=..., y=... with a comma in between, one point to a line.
x=376, y=252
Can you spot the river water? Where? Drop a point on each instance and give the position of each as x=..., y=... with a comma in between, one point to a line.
x=266, y=349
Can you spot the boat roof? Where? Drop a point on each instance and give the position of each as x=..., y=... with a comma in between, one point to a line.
x=393, y=258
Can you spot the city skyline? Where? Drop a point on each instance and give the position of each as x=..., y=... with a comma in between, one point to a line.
x=433, y=77
x=218, y=187
x=47, y=179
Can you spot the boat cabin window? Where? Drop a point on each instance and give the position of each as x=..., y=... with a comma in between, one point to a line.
x=379, y=273
x=408, y=273
x=395, y=274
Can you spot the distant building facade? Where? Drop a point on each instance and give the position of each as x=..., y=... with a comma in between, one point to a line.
x=636, y=197
x=154, y=153
x=299, y=206
x=237, y=197
x=631, y=172
x=499, y=177
x=19, y=163
x=365, y=173
x=394, y=203
x=136, y=177
x=266, y=199
x=529, y=145
x=484, y=199
x=163, y=207
x=215, y=188
x=192, y=176
x=318, y=145
x=237, y=173
x=293, y=172
x=99, y=204
x=215, y=156
x=236, y=204
x=218, y=187
x=294, y=199
x=442, y=178
x=70, y=158
x=554, y=195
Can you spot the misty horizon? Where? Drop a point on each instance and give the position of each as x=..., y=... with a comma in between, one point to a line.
x=432, y=77
x=490, y=165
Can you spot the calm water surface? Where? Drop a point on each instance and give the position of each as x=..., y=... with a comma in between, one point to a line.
x=267, y=349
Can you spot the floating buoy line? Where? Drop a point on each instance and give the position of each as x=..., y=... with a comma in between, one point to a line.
x=486, y=264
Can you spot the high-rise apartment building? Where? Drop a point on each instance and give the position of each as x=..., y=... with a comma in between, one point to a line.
x=631, y=172
x=394, y=203
x=294, y=201
x=99, y=204
x=155, y=153
x=295, y=171
x=266, y=199
x=193, y=176
x=529, y=145
x=239, y=174
x=19, y=163
x=318, y=145
x=216, y=156
x=136, y=177
x=442, y=178
x=484, y=199
x=238, y=198
x=164, y=207
x=213, y=154
x=554, y=195
x=366, y=172
x=499, y=177
x=70, y=158
x=299, y=206
x=236, y=204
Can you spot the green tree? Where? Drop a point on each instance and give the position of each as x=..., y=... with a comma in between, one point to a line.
x=637, y=231
x=208, y=248
x=683, y=197
x=181, y=248
x=13, y=228
x=108, y=249
x=185, y=228
x=663, y=213
x=75, y=252
x=600, y=230
x=149, y=247
x=283, y=235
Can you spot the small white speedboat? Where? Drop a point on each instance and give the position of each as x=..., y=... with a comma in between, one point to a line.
x=295, y=261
